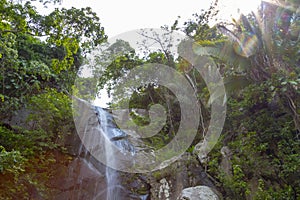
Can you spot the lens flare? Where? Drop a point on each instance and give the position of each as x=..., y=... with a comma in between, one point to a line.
x=246, y=45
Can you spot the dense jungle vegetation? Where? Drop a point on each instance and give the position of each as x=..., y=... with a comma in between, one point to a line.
x=259, y=59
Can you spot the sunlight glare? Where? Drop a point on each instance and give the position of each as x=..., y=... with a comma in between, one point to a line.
x=234, y=8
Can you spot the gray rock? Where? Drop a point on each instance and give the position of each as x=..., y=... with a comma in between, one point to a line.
x=198, y=193
x=226, y=164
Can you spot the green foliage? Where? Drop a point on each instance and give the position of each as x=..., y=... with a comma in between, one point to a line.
x=29, y=65
x=39, y=59
x=51, y=121
x=236, y=187
x=260, y=132
x=65, y=26
x=199, y=28
x=117, y=69
x=27, y=142
x=11, y=161
x=85, y=88
x=35, y=178
x=51, y=111
x=262, y=128
x=19, y=152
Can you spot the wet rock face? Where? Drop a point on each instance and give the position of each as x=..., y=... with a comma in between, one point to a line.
x=81, y=180
x=198, y=193
x=78, y=180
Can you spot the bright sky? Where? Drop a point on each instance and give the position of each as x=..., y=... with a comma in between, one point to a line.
x=118, y=16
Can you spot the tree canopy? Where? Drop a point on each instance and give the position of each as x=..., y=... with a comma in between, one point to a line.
x=257, y=55
x=40, y=52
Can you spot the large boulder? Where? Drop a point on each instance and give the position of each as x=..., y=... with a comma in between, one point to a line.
x=198, y=193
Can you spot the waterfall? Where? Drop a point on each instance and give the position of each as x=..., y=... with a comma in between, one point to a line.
x=107, y=148
x=114, y=138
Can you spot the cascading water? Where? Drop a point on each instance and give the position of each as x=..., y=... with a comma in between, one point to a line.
x=114, y=138
x=106, y=147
